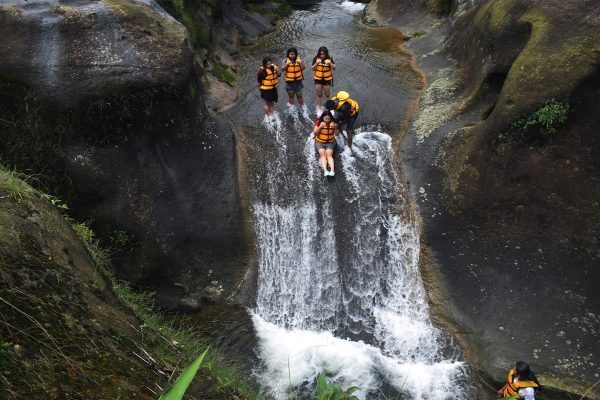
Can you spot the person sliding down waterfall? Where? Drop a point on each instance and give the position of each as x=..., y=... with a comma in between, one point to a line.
x=324, y=130
x=323, y=66
x=267, y=84
x=293, y=67
x=346, y=113
x=521, y=381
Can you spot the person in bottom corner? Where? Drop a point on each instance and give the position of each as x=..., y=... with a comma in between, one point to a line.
x=267, y=77
x=293, y=67
x=346, y=110
x=521, y=381
x=324, y=130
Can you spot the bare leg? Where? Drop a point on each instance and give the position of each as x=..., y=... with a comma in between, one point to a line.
x=291, y=98
x=327, y=91
x=267, y=108
x=323, y=159
x=349, y=133
x=300, y=99
x=271, y=108
x=329, y=153
x=319, y=89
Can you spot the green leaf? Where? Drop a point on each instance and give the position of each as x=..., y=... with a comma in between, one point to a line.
x=184, y=380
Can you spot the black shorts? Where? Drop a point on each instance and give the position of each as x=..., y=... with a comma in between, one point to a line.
x=270, y=95
x=323, y=82
x=348, y=123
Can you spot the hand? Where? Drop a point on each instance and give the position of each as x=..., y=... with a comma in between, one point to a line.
x=288, y=62
x=328, y=61
x=322, y=125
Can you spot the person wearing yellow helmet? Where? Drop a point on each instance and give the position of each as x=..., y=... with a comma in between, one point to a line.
x=346, y=113
x=323, y=66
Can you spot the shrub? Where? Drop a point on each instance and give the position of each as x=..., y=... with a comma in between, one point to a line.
x=330, y=391
x=552, y=114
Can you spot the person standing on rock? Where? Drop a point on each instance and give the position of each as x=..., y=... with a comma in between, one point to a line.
x=323, y=66
x=293, y=67
x=267, y=84
x=521, y=381
x=324, y=130
x=346, y=113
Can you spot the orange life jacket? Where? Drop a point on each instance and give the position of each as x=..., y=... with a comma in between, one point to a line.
x=294, y=71
x=353, y=106
x=512, y=387
x=270, y=81
x=323, y=72
x=326, y=133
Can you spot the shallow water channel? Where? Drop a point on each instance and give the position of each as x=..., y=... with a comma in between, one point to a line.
x=339, y=289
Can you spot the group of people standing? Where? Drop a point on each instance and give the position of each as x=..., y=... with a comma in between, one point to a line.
x=340, y=111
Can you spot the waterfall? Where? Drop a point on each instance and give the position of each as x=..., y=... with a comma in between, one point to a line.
x=339, y=289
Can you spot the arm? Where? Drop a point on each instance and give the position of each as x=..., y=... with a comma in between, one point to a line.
x=260, y=76
x=317, y=128
x=284, y=66
x=336, y=128
x=315, y=62
x=277, y=71
x=330, y=62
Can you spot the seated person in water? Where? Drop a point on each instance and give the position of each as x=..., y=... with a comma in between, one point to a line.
x=324, y=130
x=293, y=67
x=521, y=381
x=267, y=77
x=346, y=111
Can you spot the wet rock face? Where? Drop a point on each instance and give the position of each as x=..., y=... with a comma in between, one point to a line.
x=71, y=51
x=100, y=99
x=514, y=222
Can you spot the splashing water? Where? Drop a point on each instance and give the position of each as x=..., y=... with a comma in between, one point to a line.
x=352, y=6
x=339, y=286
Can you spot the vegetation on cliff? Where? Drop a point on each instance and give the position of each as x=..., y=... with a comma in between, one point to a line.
x=69, y=327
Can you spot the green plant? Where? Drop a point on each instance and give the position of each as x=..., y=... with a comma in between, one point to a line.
x=329, y=391
x=15, y=184
x=185, y=379
x=552, y=114
x=121, y=238
x=222, y=73
x=179, y=5
x=83, y=230
x=55, y=201
x=418, y=34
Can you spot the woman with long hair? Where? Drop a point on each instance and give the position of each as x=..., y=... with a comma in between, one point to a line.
x=267, y=84
x=324, y=130
x=293, y=67
x=323, y=66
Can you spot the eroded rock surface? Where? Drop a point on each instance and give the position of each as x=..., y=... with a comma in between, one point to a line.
x=103, y=99
x=513, y=223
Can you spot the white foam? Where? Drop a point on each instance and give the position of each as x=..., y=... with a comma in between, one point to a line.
x=353, y=6
x=307, y=289
x=293, y=357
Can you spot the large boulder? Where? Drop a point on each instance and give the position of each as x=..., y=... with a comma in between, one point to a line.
x=74, y=51
x=513, y=223
x=101, y=99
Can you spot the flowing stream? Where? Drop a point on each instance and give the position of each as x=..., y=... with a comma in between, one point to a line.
x=339, y=289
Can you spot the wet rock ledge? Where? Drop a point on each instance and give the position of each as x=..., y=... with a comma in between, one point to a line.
x=509, y=202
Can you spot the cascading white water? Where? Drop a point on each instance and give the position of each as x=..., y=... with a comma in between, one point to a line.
x=339, y=286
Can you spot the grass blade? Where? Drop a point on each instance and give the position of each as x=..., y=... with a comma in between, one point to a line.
x=185, y=379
